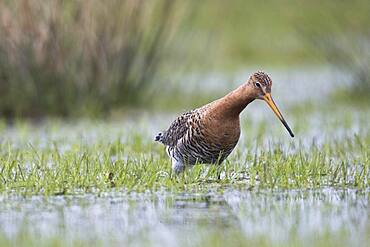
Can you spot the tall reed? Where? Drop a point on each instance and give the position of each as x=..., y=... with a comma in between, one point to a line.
x=69, y=58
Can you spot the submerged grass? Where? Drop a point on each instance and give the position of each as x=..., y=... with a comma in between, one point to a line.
x=322, y=217
x=212, y=238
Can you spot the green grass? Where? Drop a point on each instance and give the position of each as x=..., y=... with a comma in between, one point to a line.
x=84, y=168
x=280, y=33
x=42, y=160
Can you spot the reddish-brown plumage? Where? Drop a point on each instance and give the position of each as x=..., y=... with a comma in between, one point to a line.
x=210, y=133
x=221, y=117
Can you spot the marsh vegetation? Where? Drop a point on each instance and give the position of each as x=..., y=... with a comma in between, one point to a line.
x=86, y=85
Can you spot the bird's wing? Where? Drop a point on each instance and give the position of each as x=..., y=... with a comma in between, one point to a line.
x=176, y=131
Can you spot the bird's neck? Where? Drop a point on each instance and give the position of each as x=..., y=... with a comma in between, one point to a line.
x=232, y=104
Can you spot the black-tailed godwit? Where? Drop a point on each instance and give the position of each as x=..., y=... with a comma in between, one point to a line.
x=210, y=133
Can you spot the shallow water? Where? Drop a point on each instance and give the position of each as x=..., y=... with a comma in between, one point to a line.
x=289, y=85
x=166, y=219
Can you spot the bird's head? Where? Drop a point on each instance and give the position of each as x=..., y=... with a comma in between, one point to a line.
x=260, y=84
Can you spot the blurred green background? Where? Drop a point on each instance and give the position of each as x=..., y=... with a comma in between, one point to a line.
x=95, y=58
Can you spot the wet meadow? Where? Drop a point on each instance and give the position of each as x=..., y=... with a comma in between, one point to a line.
x=107, y=182
x=86, y=86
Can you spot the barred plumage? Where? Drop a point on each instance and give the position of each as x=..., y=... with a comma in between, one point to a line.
x=210, y=133
x=189, y=142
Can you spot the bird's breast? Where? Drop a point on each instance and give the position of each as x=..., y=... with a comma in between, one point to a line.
x=224, y=132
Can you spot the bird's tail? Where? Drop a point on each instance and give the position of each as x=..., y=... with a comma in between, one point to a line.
x=159, y=137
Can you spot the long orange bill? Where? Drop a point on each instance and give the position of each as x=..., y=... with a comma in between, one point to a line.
x=274, y=108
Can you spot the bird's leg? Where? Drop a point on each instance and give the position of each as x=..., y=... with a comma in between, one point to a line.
x=218, y=166
x=219, y=170
x=177, y=166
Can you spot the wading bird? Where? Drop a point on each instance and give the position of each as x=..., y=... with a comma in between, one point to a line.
x=210, y=133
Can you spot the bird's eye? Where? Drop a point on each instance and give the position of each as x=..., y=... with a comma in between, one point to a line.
x=258, y=84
